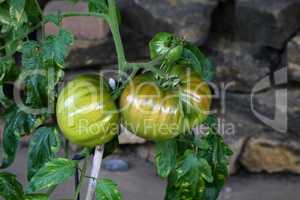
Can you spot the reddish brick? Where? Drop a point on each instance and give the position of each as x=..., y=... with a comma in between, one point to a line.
x=84, y=28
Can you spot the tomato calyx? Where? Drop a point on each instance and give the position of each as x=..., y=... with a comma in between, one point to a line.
x=168, y=82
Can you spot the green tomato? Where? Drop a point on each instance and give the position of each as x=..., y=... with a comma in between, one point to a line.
x=174, y=54
x=86, y=113
x=156, y=114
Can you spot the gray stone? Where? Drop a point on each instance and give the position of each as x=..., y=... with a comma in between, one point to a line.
x=294, y=72
x=237, y=64
x=236, y=120
x=237, y=148
x=101, y=54
x=293, y=56
x=294, y=49
x=266, y=105
x=116, y=165
x=94, y=45
x=146, y=152
x=269, y=154
x=189, y=19
x=126, y=137
x=269, y=22
x=238, y=110
x=261, y=148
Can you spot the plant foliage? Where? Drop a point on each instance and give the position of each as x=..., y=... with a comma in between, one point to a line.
x=196, y=167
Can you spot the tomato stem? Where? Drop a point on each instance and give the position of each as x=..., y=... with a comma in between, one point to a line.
x=114, y=26
x=112, y=19
x=148, y=66
x=66, y=148
x=91, y=14
x=82, y=175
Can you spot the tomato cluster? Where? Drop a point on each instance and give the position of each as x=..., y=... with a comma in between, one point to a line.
x=88, y=116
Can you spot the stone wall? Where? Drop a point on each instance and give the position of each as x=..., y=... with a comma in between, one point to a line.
x=247, y=40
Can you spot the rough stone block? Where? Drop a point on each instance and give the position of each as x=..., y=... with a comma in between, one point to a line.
x=293, y=56
x=269, y=22
x=187, y=19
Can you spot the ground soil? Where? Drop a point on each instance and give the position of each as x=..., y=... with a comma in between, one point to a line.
x=141, y=183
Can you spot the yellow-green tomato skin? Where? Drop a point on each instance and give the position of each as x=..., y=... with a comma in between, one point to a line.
x=86, y=113
x=148, y=111
x=195, y=96
x=160, y=114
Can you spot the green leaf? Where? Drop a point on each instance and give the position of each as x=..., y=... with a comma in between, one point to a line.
x=218, y=152
x=107, y=190
x=17, y=12
x=212, y=121
x=10, y=188
x=4, y=101
x=174, y=54
x=185, y=181
x=33, y=11
x=56, y=47
x=6, y=66
x=34, y=74
x=17, y=123
x=199, y=62
x=98, y=6
x=36, y=197
x=184, y=142
x=14, y=37
x=160, y=44
x=54, y=18
x=41, y=72
x=43, y=147
x=205, y=170
x=165, y=157
x=52, y=173
x=31, y=55
x=217, y=155
x=208, y=70
x=4, y=14
x=190, y=163
x=202, y=144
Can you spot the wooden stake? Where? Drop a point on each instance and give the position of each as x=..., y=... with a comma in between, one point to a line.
x=95, y=171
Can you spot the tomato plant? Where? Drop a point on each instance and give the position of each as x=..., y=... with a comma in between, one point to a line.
x=159, y=111
x=171, y=90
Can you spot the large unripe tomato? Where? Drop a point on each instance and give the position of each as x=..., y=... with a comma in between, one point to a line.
x=86, y=113
x=158, y=114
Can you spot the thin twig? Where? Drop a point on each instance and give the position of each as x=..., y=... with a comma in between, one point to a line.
x=95, y=171
x=77, y=180
x=91, y=14
x=66, y=148
x=82, y=176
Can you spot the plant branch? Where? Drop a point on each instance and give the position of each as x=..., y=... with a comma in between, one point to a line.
x=82, y=175
x=117, y=92
x=114, y=26
x=95, y=171
x=148, y=66
x=112, y=20
x=66, y=148
x=38, y=7
x=90, y=14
